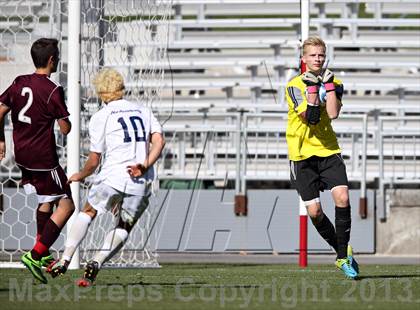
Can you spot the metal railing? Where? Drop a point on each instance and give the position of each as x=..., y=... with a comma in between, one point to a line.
x=248, y=147
x=399, y=155
x=243, y=146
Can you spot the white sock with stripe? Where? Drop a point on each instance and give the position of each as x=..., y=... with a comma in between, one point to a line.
x=114, y=241
x=78, y=231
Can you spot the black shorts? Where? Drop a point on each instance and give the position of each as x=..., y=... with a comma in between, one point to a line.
x=48, y=185
x=314, y=174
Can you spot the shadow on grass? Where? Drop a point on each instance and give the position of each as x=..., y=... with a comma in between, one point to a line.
x=185, y=285
x=389, y=276
x=198, y=284
x=214, y=265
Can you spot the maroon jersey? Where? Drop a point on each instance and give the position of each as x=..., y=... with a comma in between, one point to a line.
x=35, y=102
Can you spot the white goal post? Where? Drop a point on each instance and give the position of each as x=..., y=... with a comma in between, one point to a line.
x=129, y=35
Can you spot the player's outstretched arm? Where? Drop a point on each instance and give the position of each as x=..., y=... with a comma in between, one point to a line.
x=333, y=105
x=93, y=161
x=65, y=125
x=157, y=143
x=3, y=111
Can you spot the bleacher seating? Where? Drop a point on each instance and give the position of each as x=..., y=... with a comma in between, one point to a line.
x=212, y=141
x=379, y=9
x=352, y=81
x=239, y=59
x=228, y=56
x=341, y=60
x=225, y=62
x=15, y=8
x=389, y=105
x=294, y=22
x=24, y=9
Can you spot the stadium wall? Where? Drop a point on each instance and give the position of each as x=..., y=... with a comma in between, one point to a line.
x=208, y=223
x=400, y=234
x=204, y=221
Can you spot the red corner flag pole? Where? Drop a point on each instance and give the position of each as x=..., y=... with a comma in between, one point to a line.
x=303, y=214
x=303, y=218
x=303, y=235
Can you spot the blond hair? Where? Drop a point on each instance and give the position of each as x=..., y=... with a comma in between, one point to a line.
x=109, y=85
x=313, y=41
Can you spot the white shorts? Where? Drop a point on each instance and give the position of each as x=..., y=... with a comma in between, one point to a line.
x=103, y=197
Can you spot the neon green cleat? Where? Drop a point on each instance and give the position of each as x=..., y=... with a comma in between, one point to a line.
x=344, y=265
x=351, y=259
x=34, y=266
x=47, y=260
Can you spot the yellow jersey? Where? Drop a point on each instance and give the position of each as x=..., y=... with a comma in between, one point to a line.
x=304, y=140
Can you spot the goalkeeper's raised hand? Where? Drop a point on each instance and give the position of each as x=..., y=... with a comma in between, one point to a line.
x=327, y=78
x=313, y=112
x=310, y=79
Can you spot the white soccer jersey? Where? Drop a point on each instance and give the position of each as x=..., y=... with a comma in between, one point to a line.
x=120, y=131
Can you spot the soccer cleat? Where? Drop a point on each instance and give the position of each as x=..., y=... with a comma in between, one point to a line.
x=34, y=266
x=91, y=270
x=47, y=260
x=344, y=265
x=351, y=259
x=57, y=268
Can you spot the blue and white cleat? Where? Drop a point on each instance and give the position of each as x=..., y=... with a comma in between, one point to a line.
x=344, y=265
x=351, y=259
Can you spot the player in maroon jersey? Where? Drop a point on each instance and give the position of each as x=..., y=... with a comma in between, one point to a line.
x=36, y=103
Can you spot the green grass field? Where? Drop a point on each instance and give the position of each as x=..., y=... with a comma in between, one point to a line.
x=219, y=286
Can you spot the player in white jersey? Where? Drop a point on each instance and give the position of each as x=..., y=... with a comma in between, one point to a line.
x=129, y=139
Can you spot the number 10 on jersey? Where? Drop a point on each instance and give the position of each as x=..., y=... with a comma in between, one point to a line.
x=134, y=121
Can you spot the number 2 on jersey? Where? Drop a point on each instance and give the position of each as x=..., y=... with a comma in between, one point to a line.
x=133, y=120
x=21, y=116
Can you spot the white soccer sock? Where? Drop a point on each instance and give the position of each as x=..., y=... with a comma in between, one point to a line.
x=78, y=231
x=114, y=241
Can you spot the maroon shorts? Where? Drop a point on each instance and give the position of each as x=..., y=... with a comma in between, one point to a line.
x=48, y=185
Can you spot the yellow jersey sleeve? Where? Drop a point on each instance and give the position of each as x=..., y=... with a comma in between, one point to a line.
x=295, y=94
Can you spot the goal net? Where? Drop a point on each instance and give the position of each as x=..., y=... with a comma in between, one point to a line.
x=129, y=35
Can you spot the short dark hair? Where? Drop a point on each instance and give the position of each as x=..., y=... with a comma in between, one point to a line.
x=42, y=49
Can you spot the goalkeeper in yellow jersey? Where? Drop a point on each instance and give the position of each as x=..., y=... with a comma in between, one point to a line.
x=314, y=99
